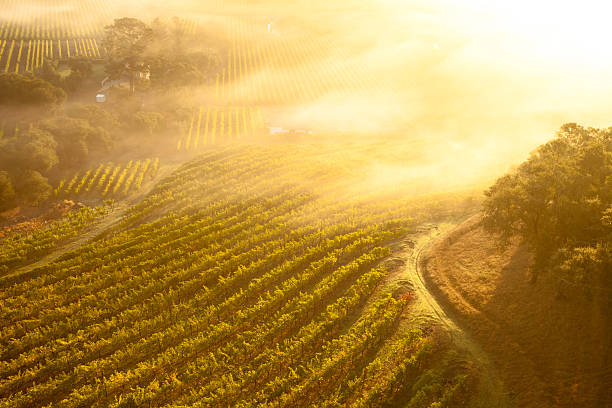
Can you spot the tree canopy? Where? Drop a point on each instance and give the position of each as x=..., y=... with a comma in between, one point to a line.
x=33, y=149
x=19, y=90
x=76, y=139
x=7, y=193
x=125, y=42
x=33, y=187
x=559, y=202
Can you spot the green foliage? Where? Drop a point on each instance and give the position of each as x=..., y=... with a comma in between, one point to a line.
x=133, y=47
x=559, y=199
x=7, y=193
x=184, y=70
x=80, y=64
x=21, y=90
x=125, y=42
x=20, y=249
x=76, y=139
x=149, y=122
x=49, y=73
x=30, y=150
x=228, y=285
x=33, y=187
x=95, y=115
x=169, y=73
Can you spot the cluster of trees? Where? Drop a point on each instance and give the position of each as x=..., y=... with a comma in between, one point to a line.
x=160, y=50
x=560, y=203
x=39, y=137
x=29, y=92
x=80, y=69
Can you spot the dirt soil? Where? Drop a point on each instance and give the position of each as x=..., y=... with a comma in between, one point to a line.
x=425, y=311
x=551, y=351
x=24, y=219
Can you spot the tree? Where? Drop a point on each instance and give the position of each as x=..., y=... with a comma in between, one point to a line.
x=125, y=42
x=24, y=98
x=34, y=149
x=49, y=73
x=95, y=115
x=81, y=64
x=99, y=141
x=37, y=150
x=33, y=187
x=7, y=193
x=19, y=90
x=167, y=73
x=183, y=70
x=148, y=121
x=71, y=136
x=80, y=69
x=77, y=139
x=557, y=199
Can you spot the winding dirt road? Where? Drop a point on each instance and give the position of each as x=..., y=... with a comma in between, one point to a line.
x=491, y=390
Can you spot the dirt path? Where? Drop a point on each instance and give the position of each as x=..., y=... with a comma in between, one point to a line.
x=99, y=227
x=492, y=393
x=549, y=350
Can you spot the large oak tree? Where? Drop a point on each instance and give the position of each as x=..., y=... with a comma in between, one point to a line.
x=125, y=42
x=559, y=202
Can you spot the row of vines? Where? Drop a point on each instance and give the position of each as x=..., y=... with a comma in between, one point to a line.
x=109, y=179
x=221, y=124
x=230, y=284
x=264, y=68
x=55, y=30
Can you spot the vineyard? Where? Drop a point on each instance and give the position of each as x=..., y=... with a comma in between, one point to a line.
x=57, y=29
x=268, y=69
x=265, y=70
x=258, y=203
x=217, y=125
x=253, y=275
x=236, y=281
x=20, y=249
x=109, y=179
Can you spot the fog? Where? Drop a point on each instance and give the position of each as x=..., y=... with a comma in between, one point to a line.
x=476, y=85
x=484, y=83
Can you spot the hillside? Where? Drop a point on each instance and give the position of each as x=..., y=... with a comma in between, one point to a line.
x=235, y=203
x=236, y=281
x=552, y=350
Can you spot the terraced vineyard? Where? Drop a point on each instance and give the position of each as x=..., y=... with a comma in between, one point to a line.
x=240, y=280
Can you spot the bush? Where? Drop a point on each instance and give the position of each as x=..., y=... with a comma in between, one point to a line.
x=95, y=115
x=148, y=121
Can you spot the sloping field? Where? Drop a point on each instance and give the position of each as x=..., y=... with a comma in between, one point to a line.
x=548, y=347
x=240, y=280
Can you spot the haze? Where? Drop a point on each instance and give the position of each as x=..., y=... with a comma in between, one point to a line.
x=487, y=80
